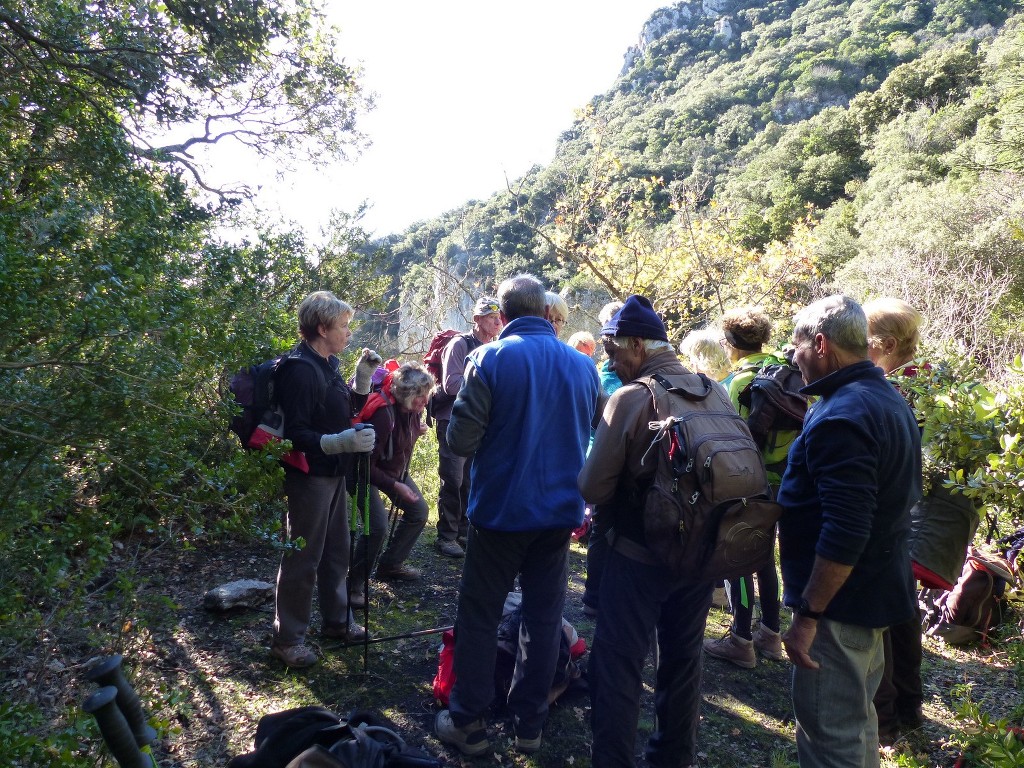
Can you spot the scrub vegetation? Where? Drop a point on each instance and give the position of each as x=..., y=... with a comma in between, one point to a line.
x=766, y=152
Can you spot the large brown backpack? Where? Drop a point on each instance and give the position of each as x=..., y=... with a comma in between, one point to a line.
x=977, y=602
x=708, y=513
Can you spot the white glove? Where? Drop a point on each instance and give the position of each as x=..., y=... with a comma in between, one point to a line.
x=349, y=441
x=365, y=368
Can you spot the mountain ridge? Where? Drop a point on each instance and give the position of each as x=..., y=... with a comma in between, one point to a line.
x=794, y=115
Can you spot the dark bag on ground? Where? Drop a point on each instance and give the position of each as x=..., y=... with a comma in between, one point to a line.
x=977, y=602
x=314, y=737
x=569, y=673
x=942, y=527
x=708, y=513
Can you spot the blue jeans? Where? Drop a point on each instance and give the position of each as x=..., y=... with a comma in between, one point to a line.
x=836, y=726
x=636, y=599
x=493, y=560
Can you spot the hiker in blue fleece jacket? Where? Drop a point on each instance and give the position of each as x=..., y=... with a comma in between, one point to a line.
x=524, y=413
x=853, y=475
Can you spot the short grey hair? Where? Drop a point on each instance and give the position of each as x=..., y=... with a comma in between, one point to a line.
x=409, y=381
x=556, y=306
x=321, y=308
x=651, y=345
x=839, y=319
x=522, y=296
x=608, y=311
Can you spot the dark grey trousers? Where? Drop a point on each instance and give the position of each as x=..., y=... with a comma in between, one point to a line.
x=317, y=512
x=636, y=600
x=453, y=496
x=493, y=560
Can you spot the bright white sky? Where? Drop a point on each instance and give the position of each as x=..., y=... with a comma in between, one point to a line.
x=468, y=92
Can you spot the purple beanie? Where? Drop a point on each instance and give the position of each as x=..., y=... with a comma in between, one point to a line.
x=637, y=318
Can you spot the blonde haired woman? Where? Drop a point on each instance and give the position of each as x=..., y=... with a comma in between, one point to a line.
x=704, y=354
x=318, y=408
x=558, y=311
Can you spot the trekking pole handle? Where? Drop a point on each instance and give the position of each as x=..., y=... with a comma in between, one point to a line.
x=110, y=672
x=114, y=728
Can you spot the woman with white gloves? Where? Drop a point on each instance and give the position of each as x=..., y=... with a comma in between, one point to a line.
x=318, y=407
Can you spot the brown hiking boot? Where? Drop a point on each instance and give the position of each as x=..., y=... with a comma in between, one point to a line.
x=768, y=643
x=470, y=740
x=400, y=572
x=450, y=548
x=732, y=648
x=295, y=656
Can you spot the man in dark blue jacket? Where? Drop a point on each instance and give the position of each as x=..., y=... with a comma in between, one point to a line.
x=524, y=414
x=853, y=475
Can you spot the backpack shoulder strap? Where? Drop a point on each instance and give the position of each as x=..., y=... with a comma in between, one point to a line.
x=472, y=342
x=321, y=378
x=701, y=392
x=374, y=403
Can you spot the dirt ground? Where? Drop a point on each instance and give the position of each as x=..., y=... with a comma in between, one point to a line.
x=207, y=678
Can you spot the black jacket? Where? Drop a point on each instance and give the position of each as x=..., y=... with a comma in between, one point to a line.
x=307, y=416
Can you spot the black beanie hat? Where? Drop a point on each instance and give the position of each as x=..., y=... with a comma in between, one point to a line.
x=637, y=318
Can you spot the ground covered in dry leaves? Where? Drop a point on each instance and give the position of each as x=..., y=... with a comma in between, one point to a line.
x=207, y=678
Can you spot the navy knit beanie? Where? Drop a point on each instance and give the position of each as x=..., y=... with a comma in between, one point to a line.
x=637, y=318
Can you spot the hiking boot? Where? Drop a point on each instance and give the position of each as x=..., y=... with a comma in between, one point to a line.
x=450, y=548
x=471, y=740
x=732, y=648
x=769, y=643
x=911, y=719
x=400, y=572
x=353, y=633
x=295, y=656
x=527, y=746
x=357, y=600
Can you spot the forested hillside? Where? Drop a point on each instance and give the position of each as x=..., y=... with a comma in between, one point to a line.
x=765, y=152
x=768, y=152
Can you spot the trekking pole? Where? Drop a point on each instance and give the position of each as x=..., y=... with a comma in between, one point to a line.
x=116, y=732
x=361, y=503
x=108, y=672
x=393, y=512
x=409, y=635
x=364, y=488
x=353, y=534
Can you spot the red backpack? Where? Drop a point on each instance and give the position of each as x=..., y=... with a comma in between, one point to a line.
x=432, y=359
x=377, y=400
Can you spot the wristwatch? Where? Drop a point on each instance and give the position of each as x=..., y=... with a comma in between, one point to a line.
x=804, y=609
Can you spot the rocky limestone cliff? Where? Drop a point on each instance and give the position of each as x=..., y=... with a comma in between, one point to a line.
x=678, y=16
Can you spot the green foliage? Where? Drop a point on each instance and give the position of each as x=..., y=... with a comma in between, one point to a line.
x=994, y=743
x=861, y=115
x=26, y=738
x=122, y=307
x=973, y=430
x=950, y=248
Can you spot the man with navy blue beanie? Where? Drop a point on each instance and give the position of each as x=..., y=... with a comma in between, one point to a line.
x=638, y=593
